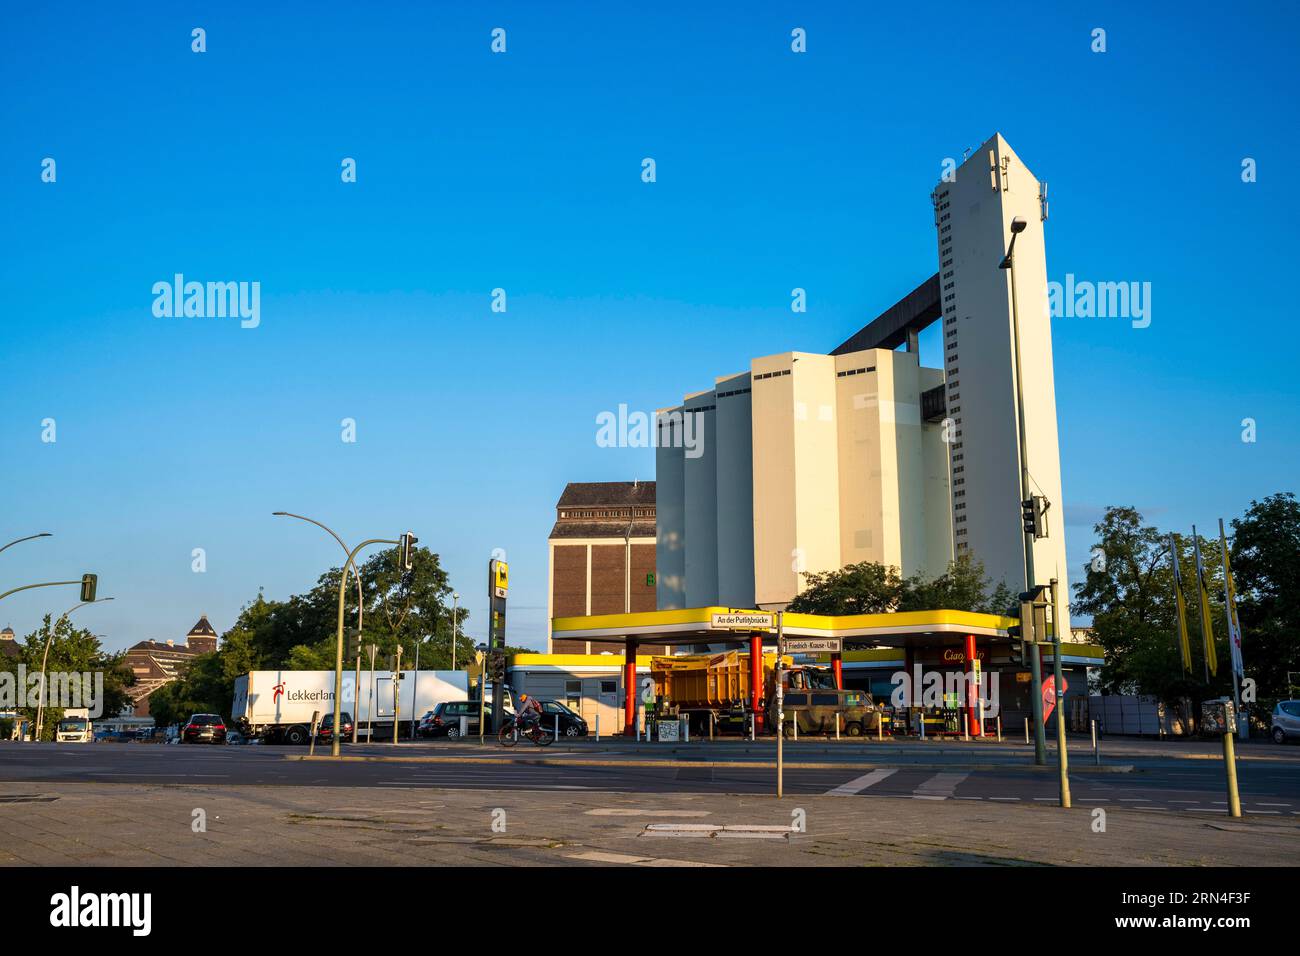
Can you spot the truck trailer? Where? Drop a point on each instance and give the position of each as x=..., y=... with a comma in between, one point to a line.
x=715, y=689
x=277, y=706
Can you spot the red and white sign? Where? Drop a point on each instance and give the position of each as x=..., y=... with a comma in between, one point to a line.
x=1049, y=694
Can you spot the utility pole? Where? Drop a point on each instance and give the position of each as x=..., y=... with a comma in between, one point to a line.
x=397, y=703
x=370, y=702
x=1062, y=758
x=1035, y=659
x=780, y=703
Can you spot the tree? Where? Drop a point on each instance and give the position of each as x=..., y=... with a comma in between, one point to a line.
x=870, y=587
x=864, y=588
x=1265, y=558
x=1129, y=592
x=71, y=651
x=301, y=633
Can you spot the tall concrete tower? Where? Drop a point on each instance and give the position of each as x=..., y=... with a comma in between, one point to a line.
x=973, y=211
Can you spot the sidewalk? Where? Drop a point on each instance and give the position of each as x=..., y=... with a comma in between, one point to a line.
x=127, y=824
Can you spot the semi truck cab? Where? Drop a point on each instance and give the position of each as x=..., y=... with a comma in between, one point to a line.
x=75, y=728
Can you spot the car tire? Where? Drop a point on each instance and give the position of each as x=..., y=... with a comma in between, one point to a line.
x=1279, y=735
x=453, y=733
x=295, y=735
x=571, y=730
x=853, y=729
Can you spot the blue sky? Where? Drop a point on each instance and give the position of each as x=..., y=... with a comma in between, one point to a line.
x=522, y=171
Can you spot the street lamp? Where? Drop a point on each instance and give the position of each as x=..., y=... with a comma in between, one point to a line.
x=361, y=607
x=481, y=650
x=45, y=656
x=1035, y=663
x=455, y=599
x=338, y=656
x=30, y=537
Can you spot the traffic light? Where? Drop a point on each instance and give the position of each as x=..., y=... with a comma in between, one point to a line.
x=1033, y=512
x=406, y=558
x=1017, y=648
x=497, y=666
x=89, y=582
x=354, y=643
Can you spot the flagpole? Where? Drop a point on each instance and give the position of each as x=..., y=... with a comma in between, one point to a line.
x=1234, y=637
x=1200, y=600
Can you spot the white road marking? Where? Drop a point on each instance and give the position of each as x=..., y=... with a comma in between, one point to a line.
x=1010, y=799
x=633, y=812
x=858, y=784
x=939, y=787
x=601, y=856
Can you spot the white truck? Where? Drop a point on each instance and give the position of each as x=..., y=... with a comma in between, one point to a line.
x=277, y=706
x=75, y=727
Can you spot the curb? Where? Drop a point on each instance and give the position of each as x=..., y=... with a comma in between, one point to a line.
x=722, y=764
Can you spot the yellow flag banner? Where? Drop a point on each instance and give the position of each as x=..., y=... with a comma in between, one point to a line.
x=1207, y=630
x=1181, y=603
x=1230, y=607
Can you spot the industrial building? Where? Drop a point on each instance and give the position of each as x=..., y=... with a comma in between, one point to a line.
x=812, y=462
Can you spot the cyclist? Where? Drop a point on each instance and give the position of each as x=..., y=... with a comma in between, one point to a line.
x=530, y=712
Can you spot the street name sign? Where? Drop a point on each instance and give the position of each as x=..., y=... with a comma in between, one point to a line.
x=813, y=645
x=743, y=621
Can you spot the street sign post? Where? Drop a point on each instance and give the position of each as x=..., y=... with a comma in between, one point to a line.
x=813, y=645
x=742, y=621
x=498, y=587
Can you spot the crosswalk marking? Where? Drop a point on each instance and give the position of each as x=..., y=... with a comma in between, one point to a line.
x=858, y=784
x=939, y=787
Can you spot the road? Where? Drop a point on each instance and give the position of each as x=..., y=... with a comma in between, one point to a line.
x=1176, y=781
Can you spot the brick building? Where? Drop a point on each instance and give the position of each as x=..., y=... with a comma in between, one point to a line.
x=602, y=555
x=155, y=663
x=8, y=645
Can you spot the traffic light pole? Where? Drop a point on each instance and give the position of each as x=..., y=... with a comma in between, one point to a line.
x=1062, y=756
x=1035, y=659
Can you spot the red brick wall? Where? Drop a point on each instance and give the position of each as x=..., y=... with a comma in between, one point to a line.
x=608, y=580
x=570, y=580
x=643, y=563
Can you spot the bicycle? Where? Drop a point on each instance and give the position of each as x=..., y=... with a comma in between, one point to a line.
x=509, y=734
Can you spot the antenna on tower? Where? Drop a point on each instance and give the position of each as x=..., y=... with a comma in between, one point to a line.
x=1042, y=200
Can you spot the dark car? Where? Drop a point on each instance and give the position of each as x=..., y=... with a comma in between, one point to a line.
x=326, y=728
x=444, y=720
x=571, y=724
x=204, y=729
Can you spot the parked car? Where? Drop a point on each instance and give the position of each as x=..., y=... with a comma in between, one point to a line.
x=204, y=729
x=1286, y=721
x=571, y=724
x=326, y=728
x=444, y=720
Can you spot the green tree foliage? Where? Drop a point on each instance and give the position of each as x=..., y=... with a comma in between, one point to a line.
x=873, y=588
x=1266, y=570
x=72, y=650
x=300, y=633
x=1129, y=592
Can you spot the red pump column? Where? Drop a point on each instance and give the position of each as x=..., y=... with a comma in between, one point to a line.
x=837, y=668
x=629, y=689
x=756, y=679
x=972, y=695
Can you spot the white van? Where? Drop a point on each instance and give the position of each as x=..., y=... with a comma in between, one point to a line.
x=76, y=727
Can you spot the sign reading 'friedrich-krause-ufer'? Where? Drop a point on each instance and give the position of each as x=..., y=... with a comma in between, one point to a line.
x=742, y=621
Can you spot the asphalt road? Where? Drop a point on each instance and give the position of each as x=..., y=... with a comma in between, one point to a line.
x=1270, y=787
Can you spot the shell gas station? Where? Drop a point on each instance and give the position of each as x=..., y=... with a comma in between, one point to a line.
x=868, y=652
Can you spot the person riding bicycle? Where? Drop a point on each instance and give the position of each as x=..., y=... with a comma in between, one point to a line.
x=530, y=712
